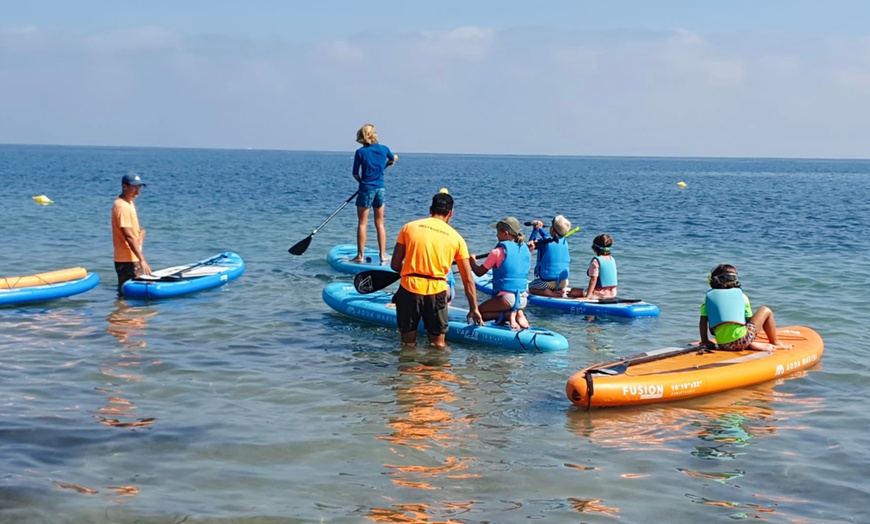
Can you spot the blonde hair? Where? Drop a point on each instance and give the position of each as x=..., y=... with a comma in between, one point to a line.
x=367, y=135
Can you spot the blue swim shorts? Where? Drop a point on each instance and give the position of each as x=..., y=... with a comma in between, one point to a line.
x=371, y=198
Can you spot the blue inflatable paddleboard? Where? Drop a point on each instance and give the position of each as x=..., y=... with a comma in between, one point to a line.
x=26, y=295
x=617, y=307
x=181, y=280
x=339, y=258
x=377, y=308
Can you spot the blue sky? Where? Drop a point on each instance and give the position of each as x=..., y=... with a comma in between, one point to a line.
x=668, y=78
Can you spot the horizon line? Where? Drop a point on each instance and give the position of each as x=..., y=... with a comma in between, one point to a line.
x=692, y=157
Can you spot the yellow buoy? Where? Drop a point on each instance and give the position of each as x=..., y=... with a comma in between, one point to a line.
x=681, y=184
x=42, y=199
x=443, y=190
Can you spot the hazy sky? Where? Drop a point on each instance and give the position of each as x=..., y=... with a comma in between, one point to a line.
x=567, y=77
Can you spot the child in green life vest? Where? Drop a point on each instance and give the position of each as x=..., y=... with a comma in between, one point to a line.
x=727, y=314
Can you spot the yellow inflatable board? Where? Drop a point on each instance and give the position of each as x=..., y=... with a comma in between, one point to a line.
x=41, y=279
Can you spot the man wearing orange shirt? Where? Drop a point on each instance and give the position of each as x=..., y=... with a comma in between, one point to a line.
x=127, y=236
x=424, y=252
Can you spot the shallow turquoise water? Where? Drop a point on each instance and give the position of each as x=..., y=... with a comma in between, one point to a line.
x=255, y=402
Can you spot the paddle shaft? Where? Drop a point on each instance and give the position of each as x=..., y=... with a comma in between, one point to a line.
x=373, y=280
x=330, y=217
x=553, y=239
x=377, y=279
x=303, y=244
x=175, y=275
x=643, y=358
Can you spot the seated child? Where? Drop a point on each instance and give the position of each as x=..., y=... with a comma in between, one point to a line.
x=554, y=260
x=601, y=271
x=726, y=314
x=509, y=262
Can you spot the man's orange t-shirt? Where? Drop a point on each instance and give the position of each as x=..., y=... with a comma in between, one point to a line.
x=431, y=246
x=124, y=215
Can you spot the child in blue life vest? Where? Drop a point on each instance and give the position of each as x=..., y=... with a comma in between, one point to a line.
x=727, y=314
x=601, y=271
x=509, y=262
x=553, y=258
x=369, y=163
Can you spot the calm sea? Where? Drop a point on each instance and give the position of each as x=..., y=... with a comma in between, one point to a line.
x=256, y=403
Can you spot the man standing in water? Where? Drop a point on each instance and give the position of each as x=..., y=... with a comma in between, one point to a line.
x=127, y=236
x=424, y=252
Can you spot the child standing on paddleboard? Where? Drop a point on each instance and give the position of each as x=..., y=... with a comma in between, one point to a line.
x=726, y=314
x=369, y=163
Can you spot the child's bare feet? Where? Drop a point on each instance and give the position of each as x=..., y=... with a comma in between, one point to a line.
x=522, y=320
x=356, y=260
x=764, y=346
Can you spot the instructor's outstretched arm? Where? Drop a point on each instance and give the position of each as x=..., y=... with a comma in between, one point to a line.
x=470, y=291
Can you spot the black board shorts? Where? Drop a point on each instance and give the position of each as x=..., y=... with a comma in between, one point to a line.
x=411, y=307
x=126, y=271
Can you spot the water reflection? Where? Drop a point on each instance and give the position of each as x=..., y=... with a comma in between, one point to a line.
x=594, y=332
x=59, y=325
x=593, y=506
x=120, y=491
x=721, y=425
x=413, y=513
x=425, y=436
x=749, y=510
x=724, y=420
x=129, y=325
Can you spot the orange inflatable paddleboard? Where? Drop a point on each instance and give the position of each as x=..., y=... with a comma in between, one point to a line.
x=41, y=279
x=679, y=373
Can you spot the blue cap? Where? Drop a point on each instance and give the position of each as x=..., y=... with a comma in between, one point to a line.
x=132, y=179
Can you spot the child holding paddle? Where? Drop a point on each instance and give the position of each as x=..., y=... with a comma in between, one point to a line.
x=509, y=262
x=554, y=260
x=369, y=163
x=727, y=314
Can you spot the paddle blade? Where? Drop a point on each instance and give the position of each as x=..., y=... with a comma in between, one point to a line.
x=373, y=280
x=300, y=246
